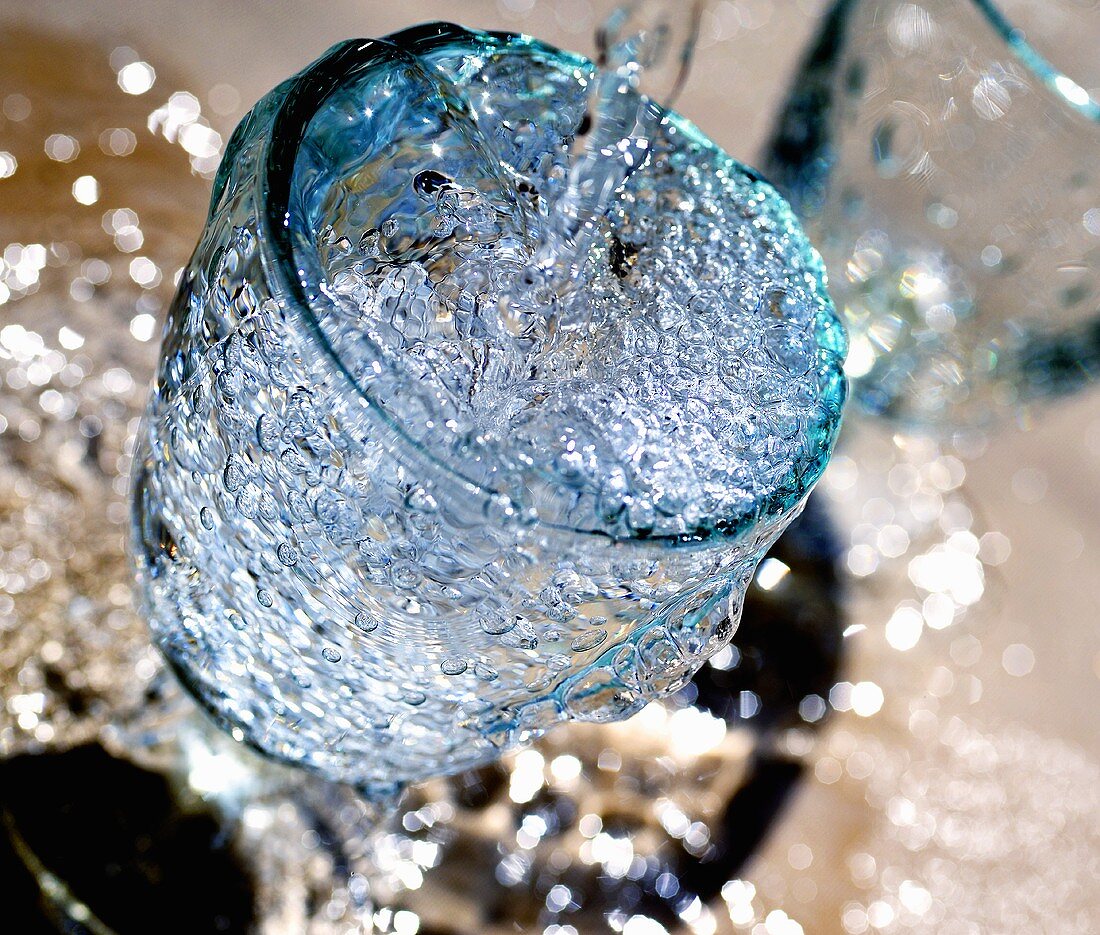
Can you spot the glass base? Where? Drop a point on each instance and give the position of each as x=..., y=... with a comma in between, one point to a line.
x=168, y=819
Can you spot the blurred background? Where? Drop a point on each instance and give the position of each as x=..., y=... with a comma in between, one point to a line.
x=947, y=776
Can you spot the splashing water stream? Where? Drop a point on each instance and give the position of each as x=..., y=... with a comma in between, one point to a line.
x=645, y=51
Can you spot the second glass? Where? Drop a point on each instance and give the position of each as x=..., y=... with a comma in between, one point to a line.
x=946, y=171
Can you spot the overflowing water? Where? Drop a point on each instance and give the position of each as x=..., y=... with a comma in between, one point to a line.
x=550, y=400
x=634, y=326
x=646, y=48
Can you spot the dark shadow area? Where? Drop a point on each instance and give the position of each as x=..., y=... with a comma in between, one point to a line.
x=104, y=834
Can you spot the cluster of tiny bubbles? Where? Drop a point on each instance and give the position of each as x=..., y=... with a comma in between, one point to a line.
x=88, y=252
x=701, y=363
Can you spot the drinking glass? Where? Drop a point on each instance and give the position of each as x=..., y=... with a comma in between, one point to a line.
x=942, y=163
x=333, y=577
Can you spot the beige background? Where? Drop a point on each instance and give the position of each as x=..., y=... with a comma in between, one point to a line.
x=1038, y=484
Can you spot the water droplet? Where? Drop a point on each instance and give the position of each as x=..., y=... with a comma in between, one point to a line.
x=453, y=666
x=365, y=623
x=587, y=640
x=485, y=672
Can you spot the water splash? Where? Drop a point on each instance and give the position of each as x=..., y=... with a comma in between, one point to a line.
x=645, y=50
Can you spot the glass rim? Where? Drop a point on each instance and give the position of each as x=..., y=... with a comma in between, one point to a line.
x=300, y=281
x=305, y=94
x=1055, y=79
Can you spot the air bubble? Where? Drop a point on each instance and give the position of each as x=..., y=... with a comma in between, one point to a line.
x=497, y=624
x=485, y=672
x=429, y=182
x=590, y=639
x=365, y=623
x=454, y=666
x=287, y=554
x=236, y=474
x=268, y=432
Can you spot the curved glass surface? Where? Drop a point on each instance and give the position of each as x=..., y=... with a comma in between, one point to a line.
x=942, y=167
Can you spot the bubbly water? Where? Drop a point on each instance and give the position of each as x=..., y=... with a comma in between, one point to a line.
x=517, y=460
x=660, y=382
